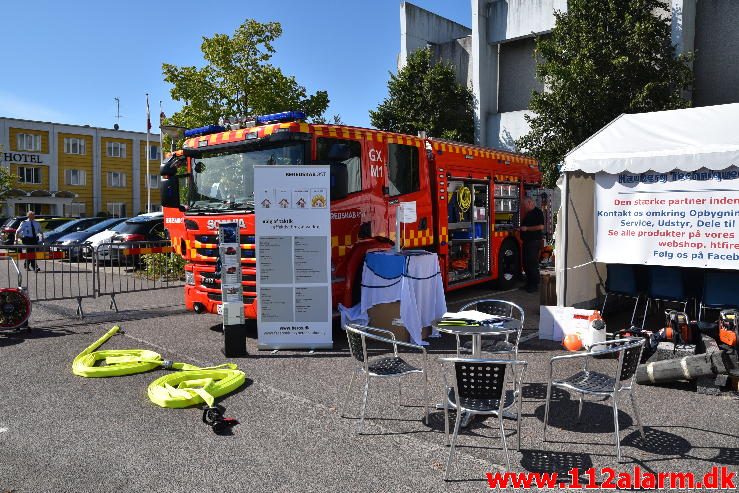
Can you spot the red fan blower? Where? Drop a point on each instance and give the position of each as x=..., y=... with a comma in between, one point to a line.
x=15, y=308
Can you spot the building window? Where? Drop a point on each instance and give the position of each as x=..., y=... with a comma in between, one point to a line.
x=117, y=209
x=348, y=152
x=77, y=209
x=153, y=181
x=75, y=177
x=23, y=209
x=154, y=152
x=74, y=145
x=116, y=149
x=116, y=179
x=29, y=142
x=29, y=175
x=403, y=169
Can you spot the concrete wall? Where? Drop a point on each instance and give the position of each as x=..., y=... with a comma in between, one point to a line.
x=456, y=52
x=517, y=75
x=716, y=65
x=504, y=128
x=511, y=19
x=419, y=27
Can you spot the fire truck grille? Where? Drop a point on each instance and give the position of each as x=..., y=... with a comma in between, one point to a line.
x=247, y=246
x=248, y=300
x=211, y=278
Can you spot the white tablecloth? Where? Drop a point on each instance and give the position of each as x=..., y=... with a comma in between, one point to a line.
x=419, y=288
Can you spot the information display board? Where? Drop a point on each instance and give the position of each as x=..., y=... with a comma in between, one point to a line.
x=293, y=248
x=232, y=297
x=686, y=219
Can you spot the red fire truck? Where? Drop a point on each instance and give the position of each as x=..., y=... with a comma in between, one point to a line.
x=466, y=199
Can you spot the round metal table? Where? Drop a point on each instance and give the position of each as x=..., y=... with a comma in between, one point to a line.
x=505, y=326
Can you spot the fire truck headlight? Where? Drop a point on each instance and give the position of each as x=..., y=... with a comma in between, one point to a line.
x=190, y=278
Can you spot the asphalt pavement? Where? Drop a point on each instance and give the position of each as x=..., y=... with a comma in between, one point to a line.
x=60, y=432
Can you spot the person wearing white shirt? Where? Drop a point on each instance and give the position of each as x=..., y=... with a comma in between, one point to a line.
x=28, y=233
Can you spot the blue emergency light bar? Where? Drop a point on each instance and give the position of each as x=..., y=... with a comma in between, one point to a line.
x=208, y=129
x=285, y=116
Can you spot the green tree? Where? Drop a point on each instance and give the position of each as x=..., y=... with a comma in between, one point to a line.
x=425, y=96
x=603, y=58
x=237, y=79
x=7, y=182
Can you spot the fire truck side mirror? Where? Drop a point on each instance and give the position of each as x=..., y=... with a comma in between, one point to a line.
x=169, y=189
x=339, y=181
x=170, y=167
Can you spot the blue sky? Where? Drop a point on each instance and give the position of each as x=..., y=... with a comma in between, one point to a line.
x=67, y=61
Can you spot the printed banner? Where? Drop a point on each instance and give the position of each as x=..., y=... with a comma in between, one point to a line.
x=293, y=247
x=686, y=219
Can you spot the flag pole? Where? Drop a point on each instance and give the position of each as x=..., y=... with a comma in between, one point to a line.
x=161, y=141
x=148, y=152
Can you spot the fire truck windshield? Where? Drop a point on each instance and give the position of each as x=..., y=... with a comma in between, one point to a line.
x=225, y=181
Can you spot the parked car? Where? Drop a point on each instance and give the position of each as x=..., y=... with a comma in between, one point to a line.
x=146, y=227
x=78, y=238
x=96, y=242
x=47, y=224
x=132, y=229
x=70, y=227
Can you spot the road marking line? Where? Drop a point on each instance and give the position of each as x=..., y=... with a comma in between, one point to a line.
x=3, y=430
x=415, y=442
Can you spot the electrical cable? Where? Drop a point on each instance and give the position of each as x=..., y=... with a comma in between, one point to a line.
x=190, y=386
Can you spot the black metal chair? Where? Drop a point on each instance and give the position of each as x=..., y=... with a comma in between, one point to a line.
x=628, y=351
x=384, y=367
x=495, y=344
x=483, y=386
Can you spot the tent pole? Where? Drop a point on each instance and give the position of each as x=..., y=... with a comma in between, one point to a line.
x=565, y=235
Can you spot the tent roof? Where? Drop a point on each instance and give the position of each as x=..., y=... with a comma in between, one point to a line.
x=662, y=141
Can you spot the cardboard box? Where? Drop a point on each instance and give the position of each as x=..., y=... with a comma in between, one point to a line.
x=387, y=316
x=553, y=321
x=547, y=287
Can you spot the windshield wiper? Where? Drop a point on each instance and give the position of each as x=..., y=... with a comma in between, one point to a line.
x=248, y=205
x=207, y=208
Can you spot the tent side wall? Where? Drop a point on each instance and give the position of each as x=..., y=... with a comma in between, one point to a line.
x=580, y=282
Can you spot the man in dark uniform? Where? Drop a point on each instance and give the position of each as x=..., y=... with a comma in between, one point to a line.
x=28, y=233
x=532, y=228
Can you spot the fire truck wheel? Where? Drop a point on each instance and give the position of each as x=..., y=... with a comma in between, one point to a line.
x=508, y=266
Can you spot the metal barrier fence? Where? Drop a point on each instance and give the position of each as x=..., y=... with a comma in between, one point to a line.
x=128, y=267
x=76, y=272
x=51, y=273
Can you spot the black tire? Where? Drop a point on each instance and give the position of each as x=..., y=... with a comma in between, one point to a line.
x=509, y=266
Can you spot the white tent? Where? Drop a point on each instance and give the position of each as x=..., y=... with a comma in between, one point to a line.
x=663, y=141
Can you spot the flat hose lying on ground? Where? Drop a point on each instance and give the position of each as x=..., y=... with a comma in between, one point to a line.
x=188, y=387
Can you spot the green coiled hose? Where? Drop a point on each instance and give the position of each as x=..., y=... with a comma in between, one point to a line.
x=190, y=386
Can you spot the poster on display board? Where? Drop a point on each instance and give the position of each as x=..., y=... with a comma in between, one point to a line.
x=293, y=248
x=685, y=219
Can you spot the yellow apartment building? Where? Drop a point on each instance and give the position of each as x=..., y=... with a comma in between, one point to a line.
x=73, y=170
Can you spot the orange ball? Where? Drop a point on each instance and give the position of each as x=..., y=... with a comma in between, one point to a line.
x=572, y=342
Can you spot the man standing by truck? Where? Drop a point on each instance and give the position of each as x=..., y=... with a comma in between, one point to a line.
x=532, y=228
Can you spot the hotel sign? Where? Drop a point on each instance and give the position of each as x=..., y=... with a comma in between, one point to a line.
x=20, y=157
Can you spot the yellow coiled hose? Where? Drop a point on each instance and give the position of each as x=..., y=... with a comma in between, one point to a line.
x=188, y=387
